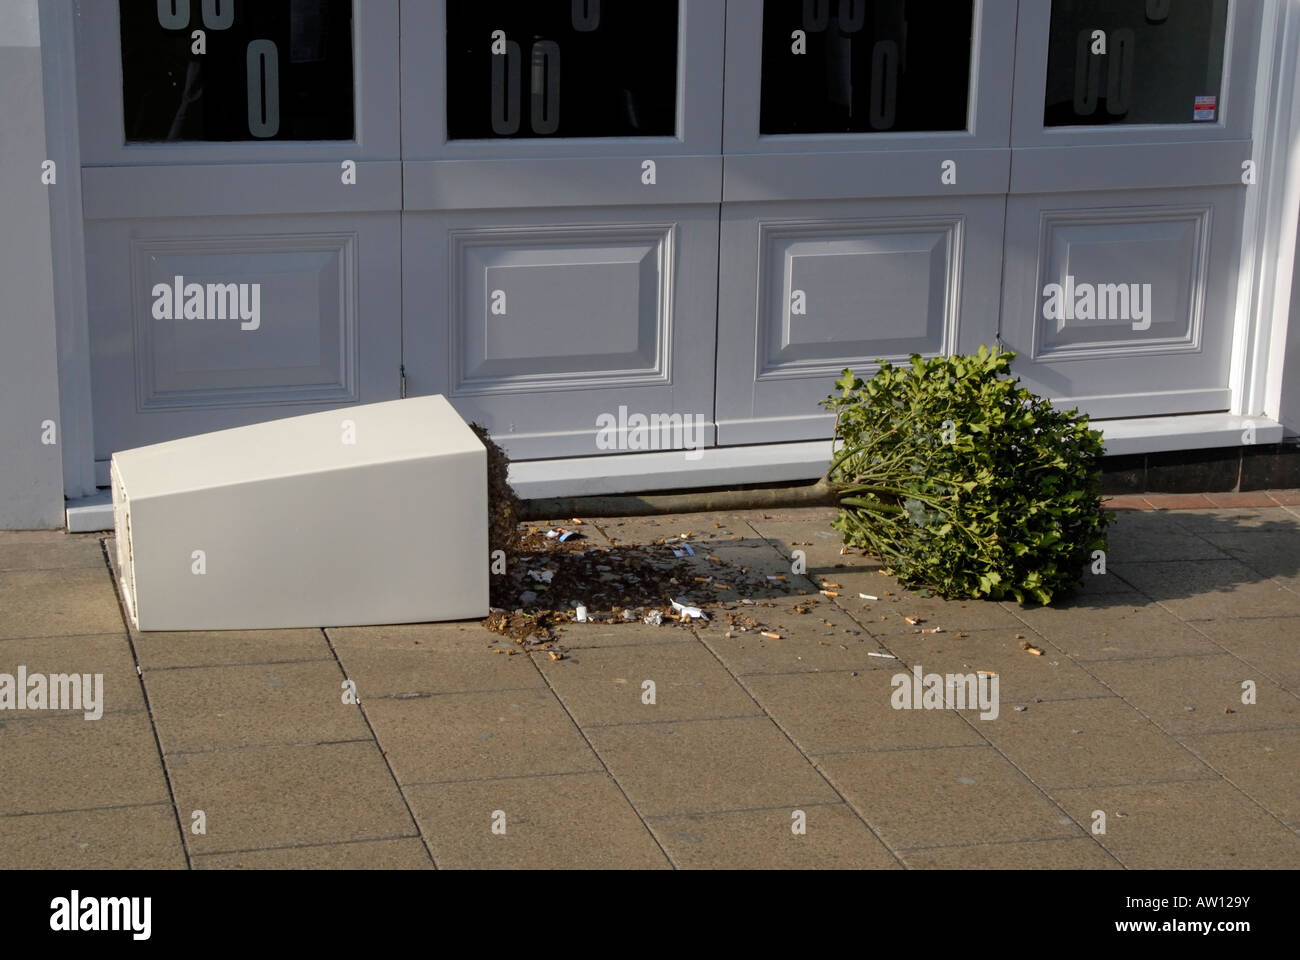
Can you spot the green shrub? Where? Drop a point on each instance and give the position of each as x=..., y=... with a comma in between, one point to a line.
x=963, y=482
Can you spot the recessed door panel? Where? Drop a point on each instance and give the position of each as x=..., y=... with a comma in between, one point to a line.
x=538, y=323
x=1121, y=303
x=844, y=285
x=211, y=323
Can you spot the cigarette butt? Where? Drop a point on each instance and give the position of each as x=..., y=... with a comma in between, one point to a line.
x=913, y=620
x=556, y=655
x=831, y=593
x=722, y=586
x=985, y=673
x=575, y=520
x=867, y=596
x=771, y=636
x=932, y=630
x=833, y=586
x=1035, y=651
x=883, y=656
x=701, y=579
x=777, y=577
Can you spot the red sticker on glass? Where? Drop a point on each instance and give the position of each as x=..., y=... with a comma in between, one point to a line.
x=1205, y=108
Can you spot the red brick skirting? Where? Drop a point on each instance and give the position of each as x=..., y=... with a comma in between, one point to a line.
x=1204, y=501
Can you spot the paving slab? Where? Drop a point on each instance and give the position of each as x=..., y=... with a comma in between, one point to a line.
x=160, y=650
x=607, y=685
x=1074, y=853
x=1197, y=825
x=1140, y=536
x=68, y=602
x=699, y=766
x=888, y=616
x=284, y=796
x=1270, y=644
x=143, y=837
x=581, y=636
x=582, y=822
x=838, y=712
x=833, y=838
x=1211, y=686
x=1129, y=627
x=429, y=658
x=1264, y=764
x=406, y=853
x=807, y=643
x=67, y=763
x=1273, y=553
x=1075, y=743
x=1210, y=589
x=476, y=736
x=1213, y=520
x=106, y=654
x=207, y=708
x=945, y=796
x=60, y=551
x=1023, y=677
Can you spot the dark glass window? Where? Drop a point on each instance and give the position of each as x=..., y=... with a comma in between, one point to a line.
x=1162, y=61
x=864, y=66
x=262, y=70
x=561, y=68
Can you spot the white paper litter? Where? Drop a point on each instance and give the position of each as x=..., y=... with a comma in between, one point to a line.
x=693, y=613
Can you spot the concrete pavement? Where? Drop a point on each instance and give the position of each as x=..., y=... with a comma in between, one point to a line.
x=1127, y=743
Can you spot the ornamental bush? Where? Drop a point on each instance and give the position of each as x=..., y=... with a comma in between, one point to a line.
x=963, y=483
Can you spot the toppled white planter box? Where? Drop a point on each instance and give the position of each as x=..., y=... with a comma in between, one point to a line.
x=360, y=515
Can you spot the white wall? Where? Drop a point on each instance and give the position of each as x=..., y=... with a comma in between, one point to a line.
x=31, y=472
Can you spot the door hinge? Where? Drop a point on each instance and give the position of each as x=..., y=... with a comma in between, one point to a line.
x=402, y=374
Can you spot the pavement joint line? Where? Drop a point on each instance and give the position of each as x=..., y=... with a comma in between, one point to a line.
x=614, y=646
x=1208, y=777
x=383, y=754
x=807, y=759
x=223, y=666
x=79, y=636
x=1227, y=733
x=996, y=843
x=764, y=809
x=601, y=760
x=516, y=776
x=51, y=716
x=650, y=723
x=112, y=806
x=278, y=745
x=429, y=695
x=444, y=693
x=307, y=846
x=144, y=692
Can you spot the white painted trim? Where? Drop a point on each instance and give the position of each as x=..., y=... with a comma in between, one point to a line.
x=796, y=462
x=1269, y=224
x=68, y=247
x=91, y=514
